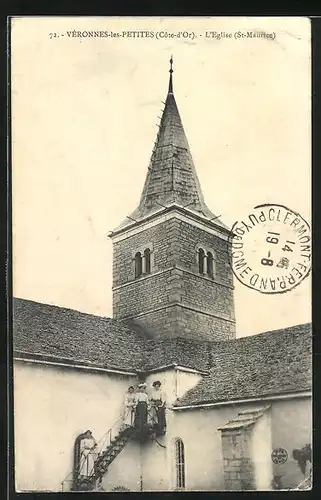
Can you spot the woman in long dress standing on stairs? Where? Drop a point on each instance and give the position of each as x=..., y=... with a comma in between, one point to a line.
x=87, y=455
x=158, y=405
x=141, y=414
x=129, y=408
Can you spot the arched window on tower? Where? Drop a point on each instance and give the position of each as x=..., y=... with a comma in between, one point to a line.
x=138, y=265
x=210, y=264
x=201, y=258
x=147, y=261
x=180, y=464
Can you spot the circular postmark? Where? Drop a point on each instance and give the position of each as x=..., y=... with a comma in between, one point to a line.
x=271, y=249
x=279, y=456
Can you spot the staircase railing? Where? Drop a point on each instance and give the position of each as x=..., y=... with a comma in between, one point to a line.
x=99, y=449
x=107, y=438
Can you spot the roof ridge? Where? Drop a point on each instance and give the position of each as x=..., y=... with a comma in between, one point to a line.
x=261, y=368
x=109, y=319
x=64, y=308
x=286, y=328
x=59, y=307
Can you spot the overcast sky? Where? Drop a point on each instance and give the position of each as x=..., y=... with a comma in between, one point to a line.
x=84, y=123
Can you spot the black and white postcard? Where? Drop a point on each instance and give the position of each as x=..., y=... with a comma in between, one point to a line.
x=161, y=212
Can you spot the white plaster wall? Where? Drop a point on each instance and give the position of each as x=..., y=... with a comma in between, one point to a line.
x=168, y=380
x=125, y=470
x=291, y=428
x=154, y=462
x=186, y=381
x=203, y=450
x=175, y=382
x=155, y=466
x=52, y=405
x=157, y=462
x=261, y=451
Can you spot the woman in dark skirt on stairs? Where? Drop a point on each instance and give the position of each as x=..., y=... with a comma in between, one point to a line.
x=141, y=415
x=158, y=402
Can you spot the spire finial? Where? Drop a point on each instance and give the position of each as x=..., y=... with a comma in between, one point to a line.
x=170, y=87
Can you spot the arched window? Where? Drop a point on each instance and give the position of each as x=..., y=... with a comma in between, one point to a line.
x=138, y=265
x=201, y=257
x=83, y=467
x=147, y=260
x=180, y=463
x=210, y=264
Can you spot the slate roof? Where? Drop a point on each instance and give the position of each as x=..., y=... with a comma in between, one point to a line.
x=274, y=362
x=244, y=419
x=188, y=353
x=171, y=176
x=47, y=330
x=269, y=363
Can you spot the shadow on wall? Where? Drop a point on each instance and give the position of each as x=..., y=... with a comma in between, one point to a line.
x=303, y=456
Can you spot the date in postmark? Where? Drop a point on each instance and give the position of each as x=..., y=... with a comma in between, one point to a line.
x=271, y=249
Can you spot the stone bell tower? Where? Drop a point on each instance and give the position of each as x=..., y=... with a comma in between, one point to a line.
x=171, y=271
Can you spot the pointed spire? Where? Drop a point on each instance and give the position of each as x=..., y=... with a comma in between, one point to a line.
x=171, y=176
x=170, y=86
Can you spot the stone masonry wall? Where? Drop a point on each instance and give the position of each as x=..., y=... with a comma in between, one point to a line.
x=191, y=238
x=175, y=300
x=143, y=295
x=238, y=463
x=174, y=285
x=207, y=295
x=178, y=321
x=165, y=240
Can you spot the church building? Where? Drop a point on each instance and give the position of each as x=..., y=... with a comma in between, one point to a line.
x=238, y=410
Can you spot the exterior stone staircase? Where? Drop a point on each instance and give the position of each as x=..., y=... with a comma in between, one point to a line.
x=110, y=453
x=108, y=448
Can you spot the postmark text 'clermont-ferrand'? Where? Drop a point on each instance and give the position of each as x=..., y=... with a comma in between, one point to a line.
x=271, y=249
